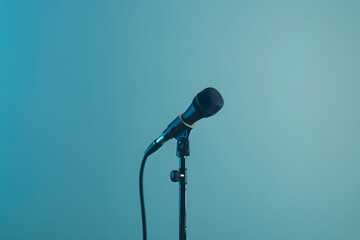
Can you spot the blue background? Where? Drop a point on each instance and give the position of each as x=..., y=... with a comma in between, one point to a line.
x=85, y=86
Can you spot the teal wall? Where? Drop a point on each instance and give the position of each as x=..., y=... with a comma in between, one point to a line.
x=85, y=86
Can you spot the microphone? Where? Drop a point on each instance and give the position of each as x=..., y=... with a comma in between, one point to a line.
x=205, y=104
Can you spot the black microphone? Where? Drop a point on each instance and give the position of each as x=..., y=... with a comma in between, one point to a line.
x=205, y=104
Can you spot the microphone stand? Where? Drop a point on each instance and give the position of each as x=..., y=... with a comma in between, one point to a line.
x=182, y=151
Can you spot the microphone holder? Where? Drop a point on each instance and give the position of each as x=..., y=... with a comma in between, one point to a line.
x=182, y=151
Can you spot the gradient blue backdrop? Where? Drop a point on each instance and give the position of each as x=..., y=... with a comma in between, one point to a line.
x=85, y=86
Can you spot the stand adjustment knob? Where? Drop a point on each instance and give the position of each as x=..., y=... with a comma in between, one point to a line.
x=175, y=175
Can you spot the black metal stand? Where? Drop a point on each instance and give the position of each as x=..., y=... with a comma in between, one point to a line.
x=182, y=152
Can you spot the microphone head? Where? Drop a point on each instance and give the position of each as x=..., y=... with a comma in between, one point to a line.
x=205, y=104
x=208, y=102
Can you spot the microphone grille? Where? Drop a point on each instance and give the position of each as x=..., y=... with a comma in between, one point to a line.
x=210, y=100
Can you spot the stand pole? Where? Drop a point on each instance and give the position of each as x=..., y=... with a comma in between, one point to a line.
x=180, y=176
x=182, y=185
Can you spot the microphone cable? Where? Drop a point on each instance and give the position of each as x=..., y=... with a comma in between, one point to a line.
x=143, y=216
